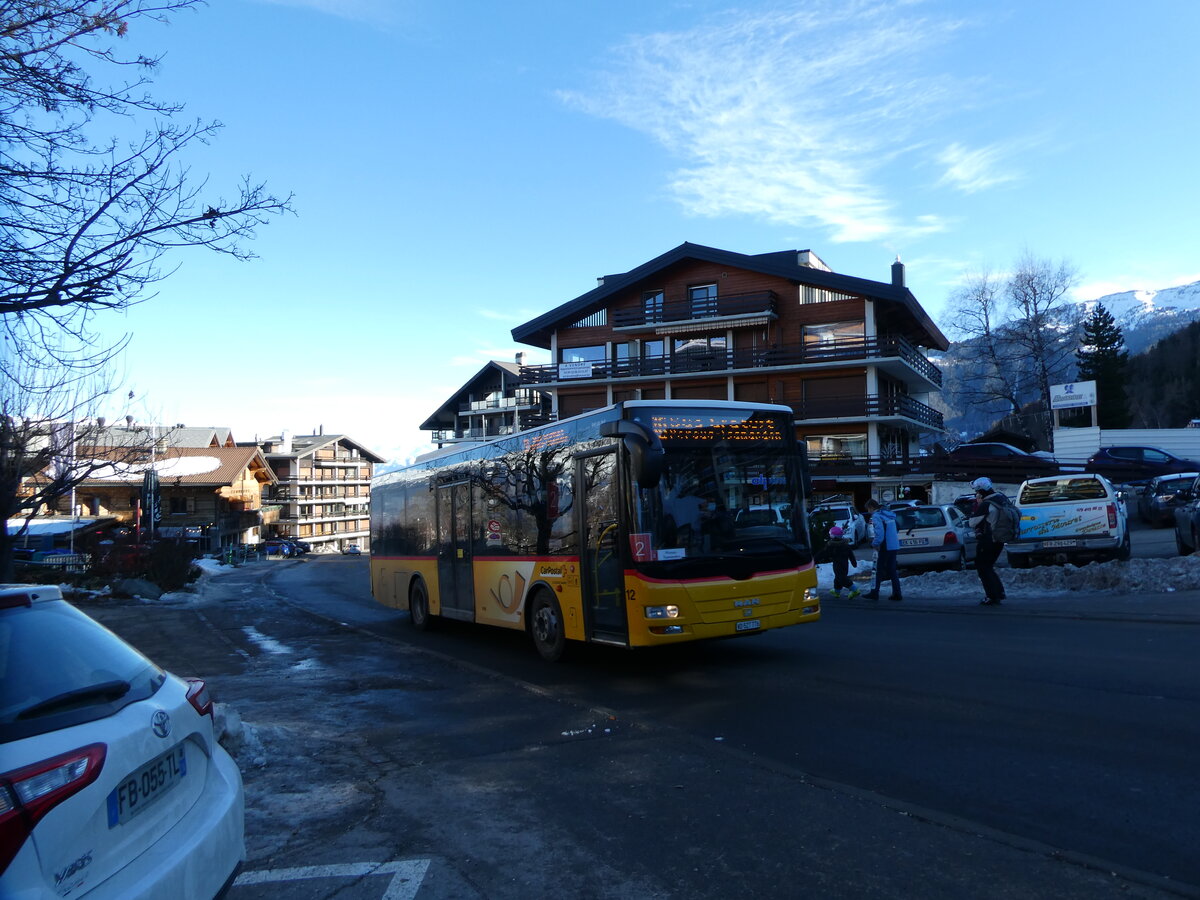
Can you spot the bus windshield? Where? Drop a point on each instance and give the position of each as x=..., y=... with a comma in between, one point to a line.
x=727, y=499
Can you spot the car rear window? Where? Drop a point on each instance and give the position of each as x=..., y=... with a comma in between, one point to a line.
x=920, y=517
x=58, y=668
x=1062, y=489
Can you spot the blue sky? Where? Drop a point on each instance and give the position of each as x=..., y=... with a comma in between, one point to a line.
x=461, y=167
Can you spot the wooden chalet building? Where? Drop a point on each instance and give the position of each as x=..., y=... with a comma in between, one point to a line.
x=847, y=354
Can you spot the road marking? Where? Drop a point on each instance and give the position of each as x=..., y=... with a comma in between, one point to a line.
x=407, y=875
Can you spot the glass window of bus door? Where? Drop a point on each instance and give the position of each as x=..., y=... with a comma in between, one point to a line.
x=455, y=582
x=601, y=568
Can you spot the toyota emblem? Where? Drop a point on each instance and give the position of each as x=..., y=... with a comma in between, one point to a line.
x=161, y=723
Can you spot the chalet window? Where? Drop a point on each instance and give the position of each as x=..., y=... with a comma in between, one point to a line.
x=703, y=299
x=653, y=349
x=182, y=506
x=836, y=446
x=833, y=331
x=594, y=353
x=699, y=344
x=652, y=305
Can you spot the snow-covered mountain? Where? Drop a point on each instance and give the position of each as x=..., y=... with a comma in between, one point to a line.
x=1145, y=317
x=1148, y=316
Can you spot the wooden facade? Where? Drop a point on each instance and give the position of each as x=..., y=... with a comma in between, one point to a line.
x=847, y=354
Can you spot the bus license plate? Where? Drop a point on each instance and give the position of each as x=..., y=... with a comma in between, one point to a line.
x=749, y=625
x=141, y=788
x=1059, y=543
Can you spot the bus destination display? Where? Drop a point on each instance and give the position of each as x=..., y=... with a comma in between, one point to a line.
x=715, y=427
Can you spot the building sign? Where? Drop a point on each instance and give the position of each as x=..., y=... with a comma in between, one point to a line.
x=1072, y=396
x=581, y=369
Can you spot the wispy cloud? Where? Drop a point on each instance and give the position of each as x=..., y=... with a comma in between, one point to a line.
x=975, y=170
x=788, y=115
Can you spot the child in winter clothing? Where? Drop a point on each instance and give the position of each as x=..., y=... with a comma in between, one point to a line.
x=840, y=552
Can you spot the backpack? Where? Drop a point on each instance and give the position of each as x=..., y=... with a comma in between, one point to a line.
x=1008, y=519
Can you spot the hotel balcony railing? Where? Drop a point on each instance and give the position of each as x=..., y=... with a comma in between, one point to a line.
x=652, y=314
x=845, y=351
x=868, y=406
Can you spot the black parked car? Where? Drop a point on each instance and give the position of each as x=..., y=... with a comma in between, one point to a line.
x=999, y=461
x=1157, y=503
x=1124, y=464
x=1187, y=519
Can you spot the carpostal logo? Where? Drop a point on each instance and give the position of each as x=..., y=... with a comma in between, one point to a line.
x=551, y=571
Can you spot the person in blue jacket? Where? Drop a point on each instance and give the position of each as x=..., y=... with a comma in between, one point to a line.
x=886, y=541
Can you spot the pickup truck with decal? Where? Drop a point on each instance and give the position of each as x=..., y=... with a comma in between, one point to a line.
x=1069, y=518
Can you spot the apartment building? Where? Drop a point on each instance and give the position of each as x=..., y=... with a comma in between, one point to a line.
x=495, y=402
x=847, y=354
x=323, y=489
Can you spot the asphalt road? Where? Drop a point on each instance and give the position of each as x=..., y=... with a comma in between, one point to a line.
x=879, y=753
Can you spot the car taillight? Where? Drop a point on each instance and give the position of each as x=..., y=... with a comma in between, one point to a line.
x=28, y=793
x=1112, y=515
x=950, y=538
x=197, y=695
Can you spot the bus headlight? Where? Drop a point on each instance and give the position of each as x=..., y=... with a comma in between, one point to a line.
x=812, y=595
x=662, y=612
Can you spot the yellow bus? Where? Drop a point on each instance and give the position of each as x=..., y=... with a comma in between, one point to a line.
x=641, y=524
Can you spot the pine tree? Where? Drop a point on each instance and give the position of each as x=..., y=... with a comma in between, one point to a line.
x=1102, y=358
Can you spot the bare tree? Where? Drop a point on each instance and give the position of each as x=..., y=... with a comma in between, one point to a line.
x=1019, y=337
x=86, y=218
x=992, y=378
x=1045, y=325
x=95, y=195
x=51, y=441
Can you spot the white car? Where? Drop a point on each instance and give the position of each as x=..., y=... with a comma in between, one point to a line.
x=850, y=520
x=934, y=537
x=112, y=783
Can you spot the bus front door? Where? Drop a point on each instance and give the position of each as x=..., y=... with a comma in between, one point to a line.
x=455, y=582
x=601, y=569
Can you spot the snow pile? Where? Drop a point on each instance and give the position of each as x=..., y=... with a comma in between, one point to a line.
x=1179, y=573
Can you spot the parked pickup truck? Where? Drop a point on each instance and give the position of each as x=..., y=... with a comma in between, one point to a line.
x=1069, y=518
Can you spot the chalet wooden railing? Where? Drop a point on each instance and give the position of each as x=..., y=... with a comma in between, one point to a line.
x=692, y=361
x=652, y=313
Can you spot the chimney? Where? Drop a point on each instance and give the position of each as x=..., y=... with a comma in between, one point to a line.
x=898, y=272
x=521, y=358
x=600, y=281
x=285, y=442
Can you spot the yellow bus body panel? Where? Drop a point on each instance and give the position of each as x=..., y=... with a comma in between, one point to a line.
x=714, y=607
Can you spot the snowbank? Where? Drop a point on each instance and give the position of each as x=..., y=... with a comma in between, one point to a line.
x=1179, y=573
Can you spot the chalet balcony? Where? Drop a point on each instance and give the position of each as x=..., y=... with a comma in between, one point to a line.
x=891, y=353
x=861, y=407
x=491, y=432
x=760, y=305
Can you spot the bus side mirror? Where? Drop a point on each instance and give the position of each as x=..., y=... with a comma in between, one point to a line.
x=645, y=450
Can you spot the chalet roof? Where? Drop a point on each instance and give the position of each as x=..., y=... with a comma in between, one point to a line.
x=308, y=444
x=196, y=466
x=782, y=264
x=171, y=435
x=444, y=415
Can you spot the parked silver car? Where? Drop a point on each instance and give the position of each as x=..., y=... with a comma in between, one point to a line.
x=1187, y=520
x=934, y=537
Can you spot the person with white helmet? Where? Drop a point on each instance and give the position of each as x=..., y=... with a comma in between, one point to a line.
x=983, y=519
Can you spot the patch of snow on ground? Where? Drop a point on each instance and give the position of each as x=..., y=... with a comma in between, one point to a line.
x=1180, y=573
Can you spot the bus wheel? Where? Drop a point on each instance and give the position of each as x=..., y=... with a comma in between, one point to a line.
x=546, y=625
x=418, y=606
